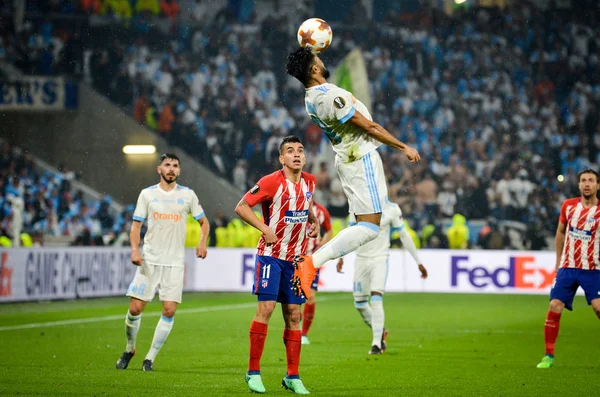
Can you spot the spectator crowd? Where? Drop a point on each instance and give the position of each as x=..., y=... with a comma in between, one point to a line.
x=499, y=102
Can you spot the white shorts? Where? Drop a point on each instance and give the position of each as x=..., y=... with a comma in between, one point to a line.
x=370, y=275
x=168, y=280
x=364, y=183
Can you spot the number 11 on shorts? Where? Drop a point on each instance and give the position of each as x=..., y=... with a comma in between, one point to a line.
x=266, y=271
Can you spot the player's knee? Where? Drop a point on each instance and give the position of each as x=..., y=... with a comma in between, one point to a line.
x=168, y=312
x=556, y=306
x=292, y=318
x=361, y=303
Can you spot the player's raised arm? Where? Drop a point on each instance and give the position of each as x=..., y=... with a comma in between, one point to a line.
x=376, y=131
x=245, y=212
x=134, y=238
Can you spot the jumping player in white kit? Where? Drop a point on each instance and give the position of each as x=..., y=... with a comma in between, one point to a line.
x=165, y=206
x=371, y=269
x=355, y=138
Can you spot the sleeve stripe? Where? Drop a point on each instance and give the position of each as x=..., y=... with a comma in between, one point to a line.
x=138, y=218
x=348, y=116
x=198, y=217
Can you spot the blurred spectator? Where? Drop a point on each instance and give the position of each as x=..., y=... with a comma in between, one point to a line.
x=491, y=238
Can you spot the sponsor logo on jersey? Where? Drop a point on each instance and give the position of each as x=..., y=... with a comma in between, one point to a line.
x=296, y=216
x=255, y=189
x=339, y=102
x=159, y=216
x=578, y=234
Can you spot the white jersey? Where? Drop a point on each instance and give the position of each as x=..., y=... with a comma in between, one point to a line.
x=166, y=212
x=330, y=107
x=391, y=218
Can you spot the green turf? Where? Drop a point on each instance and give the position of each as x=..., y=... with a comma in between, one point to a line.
x=439, y=345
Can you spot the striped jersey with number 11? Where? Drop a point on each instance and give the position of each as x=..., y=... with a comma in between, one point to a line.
x=285, y=207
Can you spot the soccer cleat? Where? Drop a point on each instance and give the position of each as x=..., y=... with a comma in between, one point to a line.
x=147, y=365
x=255, y=384
x=304, y=274
x=547, y=362
x=305, y=340
x=375, y=350
x=123, y=362
x=384, y=340
x=294, y=385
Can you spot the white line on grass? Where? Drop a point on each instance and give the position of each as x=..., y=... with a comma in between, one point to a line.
x=121, y=316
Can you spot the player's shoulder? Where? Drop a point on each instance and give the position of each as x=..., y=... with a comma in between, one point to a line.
x=309, y=177
x=149, y=190
x=571, y=201
x=184, y=190
x=271, y=181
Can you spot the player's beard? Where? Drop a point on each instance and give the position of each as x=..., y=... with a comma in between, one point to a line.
x=325, y=73
x=168, y=178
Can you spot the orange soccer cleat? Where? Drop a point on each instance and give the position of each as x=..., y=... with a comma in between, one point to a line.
x=304, y=274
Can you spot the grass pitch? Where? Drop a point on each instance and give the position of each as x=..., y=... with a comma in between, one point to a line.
x=439, y=345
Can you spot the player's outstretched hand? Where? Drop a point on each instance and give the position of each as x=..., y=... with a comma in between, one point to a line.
x=412, y=154
x=136, y=258
x=270, y=237
x=423, y=271
x=201, y=251
x=340, y=265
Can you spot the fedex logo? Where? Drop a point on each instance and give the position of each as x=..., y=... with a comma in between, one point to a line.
x=521, y=272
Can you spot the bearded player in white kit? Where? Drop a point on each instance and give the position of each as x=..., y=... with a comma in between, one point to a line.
x=166, y=207
x=355, y=138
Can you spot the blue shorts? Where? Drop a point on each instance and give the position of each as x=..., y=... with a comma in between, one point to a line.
x=273, y=280
x=568, y=280
x=315, y=284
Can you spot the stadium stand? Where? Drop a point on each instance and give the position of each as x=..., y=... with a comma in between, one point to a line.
x=497, y=107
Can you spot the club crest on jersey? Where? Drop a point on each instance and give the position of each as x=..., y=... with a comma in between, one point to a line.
x=339, y=102
x=592, y=221
x=308, y=195
x=255, y=189
x=180, y=201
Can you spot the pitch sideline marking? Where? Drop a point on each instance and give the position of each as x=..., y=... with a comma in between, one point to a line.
x=121, y=316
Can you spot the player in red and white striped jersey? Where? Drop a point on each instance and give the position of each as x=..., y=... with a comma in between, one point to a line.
x=286, y=196
x=577, y=258
x=313, y=244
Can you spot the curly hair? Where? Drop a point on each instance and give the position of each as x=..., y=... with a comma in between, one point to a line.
x=299, y=62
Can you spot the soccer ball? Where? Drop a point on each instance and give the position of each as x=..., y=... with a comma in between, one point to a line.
x=315, y=33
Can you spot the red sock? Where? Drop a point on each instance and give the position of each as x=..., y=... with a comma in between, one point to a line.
x=258, y=335
x=293, y=344
x=309, y=315
x=551, y=331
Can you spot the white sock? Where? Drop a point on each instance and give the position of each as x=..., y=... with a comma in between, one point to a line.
x=132, y=326
x=346, y=241
x=377, y=318
x=160, y=336
x=409, y=244
x=365, y=311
